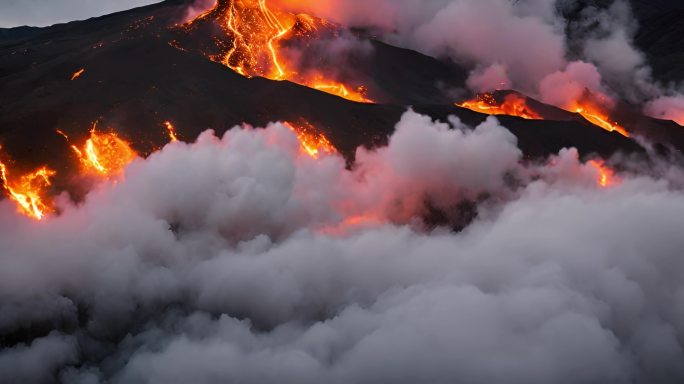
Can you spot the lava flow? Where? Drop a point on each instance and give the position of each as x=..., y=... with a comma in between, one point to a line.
x=516, y=105
x=77, y=74
x=596, y=116
x=513, y=105
x=606, y=176
x=28, y=191
x=313, y=142
x=105, y=154
x=256, y=33
x=171, y=130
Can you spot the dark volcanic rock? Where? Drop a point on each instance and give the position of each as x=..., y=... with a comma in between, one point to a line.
x=135, y=79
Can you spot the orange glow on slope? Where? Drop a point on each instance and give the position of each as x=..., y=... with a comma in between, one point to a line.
x=513, y=105
x=256, y=32
x=313, y=142
x=28, y=191
x=678, y=118
x=105, y=153
x=77, y=74
x=606, y=176
x=596, y=116
x=171, y=131
x=353, y=223
x=358, y=94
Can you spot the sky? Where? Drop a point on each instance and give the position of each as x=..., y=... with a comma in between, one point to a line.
x=40, y=13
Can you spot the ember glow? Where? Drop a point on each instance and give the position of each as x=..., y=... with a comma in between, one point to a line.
x=256, y=34
x=358, y=94
x=313, y=142
x=171, y=131
x=77, y=74
x=606, y=176
x=105, y=154
x=596, y=116
x=28, y=191
x=513, y=105
x=516, y=105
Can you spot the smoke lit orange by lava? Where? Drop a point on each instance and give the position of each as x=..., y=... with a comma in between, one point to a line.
x=105, y=154
x=606, y=176
x=313, y=142
x=171, y=131
x=256, y=32
x=77, y=74
x=352, y=223
x=513, y=105
x=28, y=191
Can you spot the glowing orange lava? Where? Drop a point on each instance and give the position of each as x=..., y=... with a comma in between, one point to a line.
x=171, y=131
x=313, y=142
x=29, y=191
x=596, y=116
x=358, y=94
x=105, y=154
x=77, y=74
x=513, y=105
x=256, y=33
x=606, y=176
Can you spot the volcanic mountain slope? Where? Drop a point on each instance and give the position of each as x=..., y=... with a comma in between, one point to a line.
x=134, y=70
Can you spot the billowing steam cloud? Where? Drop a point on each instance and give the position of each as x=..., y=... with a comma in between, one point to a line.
x=240, y=259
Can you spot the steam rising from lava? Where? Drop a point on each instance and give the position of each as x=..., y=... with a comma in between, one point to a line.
x=255, y=262
x=593, y=52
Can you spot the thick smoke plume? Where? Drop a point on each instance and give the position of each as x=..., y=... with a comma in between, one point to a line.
x=242, y=259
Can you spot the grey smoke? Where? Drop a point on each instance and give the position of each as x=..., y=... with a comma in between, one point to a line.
x=234, y=260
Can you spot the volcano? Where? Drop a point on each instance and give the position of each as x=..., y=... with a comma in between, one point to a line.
x=341, y=191
x=135, y=70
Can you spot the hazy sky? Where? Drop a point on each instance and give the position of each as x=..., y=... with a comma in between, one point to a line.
x=15, y=13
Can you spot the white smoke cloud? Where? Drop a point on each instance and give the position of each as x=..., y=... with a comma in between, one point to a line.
x=241, y=259
x=489, y=78
x=197, y=8
x=563, y=87
x=667, y=107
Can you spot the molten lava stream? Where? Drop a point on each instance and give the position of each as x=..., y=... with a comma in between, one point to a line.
x=513, y=105
x=104, y=154
x=597, y=117
x=29, y=191
x=77, y=74
x=171, y=130
x=255, y=32
x=312, y=141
